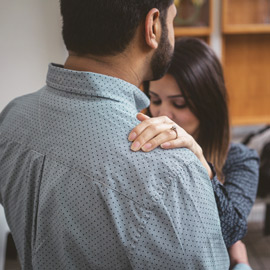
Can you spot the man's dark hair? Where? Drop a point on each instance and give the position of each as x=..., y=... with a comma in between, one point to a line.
x=105, y=27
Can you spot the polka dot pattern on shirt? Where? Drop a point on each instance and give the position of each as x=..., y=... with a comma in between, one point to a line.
x=100, y=205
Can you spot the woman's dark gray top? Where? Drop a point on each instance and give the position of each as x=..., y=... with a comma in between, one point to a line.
x=236, y=197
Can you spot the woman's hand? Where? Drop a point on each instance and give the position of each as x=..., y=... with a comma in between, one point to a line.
x=157, y=131
x=238, y=254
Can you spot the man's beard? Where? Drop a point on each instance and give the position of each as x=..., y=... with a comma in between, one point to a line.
x=162, y=58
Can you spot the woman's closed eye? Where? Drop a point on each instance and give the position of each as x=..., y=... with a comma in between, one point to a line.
x=179, y=105
x=156, y=101
x=176, y=104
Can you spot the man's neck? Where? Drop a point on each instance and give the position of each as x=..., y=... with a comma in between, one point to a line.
x=116, y=66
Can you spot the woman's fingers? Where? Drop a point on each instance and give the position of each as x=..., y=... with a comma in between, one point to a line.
x=142, y=116
x=153, y=132
x=145, y=138
x=183, y=140
x=155, y=123
x=164, y=138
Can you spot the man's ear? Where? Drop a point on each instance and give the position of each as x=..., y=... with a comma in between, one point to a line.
x=152, y=28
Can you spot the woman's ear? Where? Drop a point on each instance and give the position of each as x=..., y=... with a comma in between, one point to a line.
x=152, y=28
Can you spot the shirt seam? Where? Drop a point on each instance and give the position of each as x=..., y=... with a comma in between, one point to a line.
x=155, y=198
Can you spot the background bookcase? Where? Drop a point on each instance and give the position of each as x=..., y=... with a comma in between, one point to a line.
x=194, y=18
x=245, y=45
x=246, y=59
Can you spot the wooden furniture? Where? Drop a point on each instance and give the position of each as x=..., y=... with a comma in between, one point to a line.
x=194, y=18
x=246, y=59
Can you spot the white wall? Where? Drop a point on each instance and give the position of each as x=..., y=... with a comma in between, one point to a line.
x=30, y=38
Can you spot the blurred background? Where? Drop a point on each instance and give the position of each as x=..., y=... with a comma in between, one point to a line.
x=237, y=30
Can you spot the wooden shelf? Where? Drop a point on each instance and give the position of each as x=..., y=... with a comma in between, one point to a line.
x=246, y=59
x=192, y=31
x=243, y=121
x=246, y=62
x=202, y=27
x=246, y=29
x=246, y=13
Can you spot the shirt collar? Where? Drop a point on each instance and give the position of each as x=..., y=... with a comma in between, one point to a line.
x=94, y=84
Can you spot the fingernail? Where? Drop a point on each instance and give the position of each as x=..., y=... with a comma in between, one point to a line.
x=132, y=136
x=165, y=145
x=135, y=146
x=146, y=146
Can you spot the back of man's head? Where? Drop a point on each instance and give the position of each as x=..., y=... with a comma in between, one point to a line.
x=105, y=27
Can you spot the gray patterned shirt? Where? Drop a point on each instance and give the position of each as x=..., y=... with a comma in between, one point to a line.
x=76, y=196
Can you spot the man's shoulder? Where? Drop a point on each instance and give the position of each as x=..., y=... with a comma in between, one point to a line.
x=22, y=100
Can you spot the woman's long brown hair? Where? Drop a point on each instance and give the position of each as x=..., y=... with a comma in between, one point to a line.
x=199, y=75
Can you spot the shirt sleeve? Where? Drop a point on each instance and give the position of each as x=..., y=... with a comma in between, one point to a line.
x=236, y=197
x=184, y=227
x=242, y=266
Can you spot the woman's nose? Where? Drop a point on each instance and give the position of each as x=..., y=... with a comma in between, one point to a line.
x=164, y=111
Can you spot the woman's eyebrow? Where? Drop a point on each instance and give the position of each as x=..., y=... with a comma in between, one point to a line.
x=152, y=93
x=176, y=96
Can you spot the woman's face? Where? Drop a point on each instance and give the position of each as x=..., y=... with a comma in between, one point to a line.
x=166, y=99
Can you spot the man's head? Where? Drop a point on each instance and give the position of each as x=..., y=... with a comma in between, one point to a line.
x=106, y=28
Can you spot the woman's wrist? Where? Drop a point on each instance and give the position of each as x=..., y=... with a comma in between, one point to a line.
x=207, y=167
x=200, y=156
